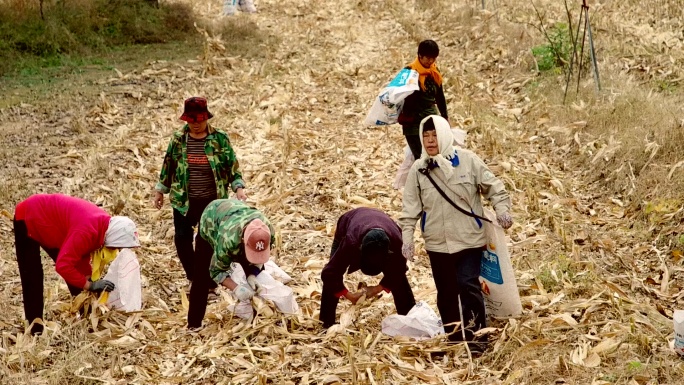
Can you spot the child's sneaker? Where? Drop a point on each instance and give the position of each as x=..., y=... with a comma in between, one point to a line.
x=247, y=6
x=229, y=7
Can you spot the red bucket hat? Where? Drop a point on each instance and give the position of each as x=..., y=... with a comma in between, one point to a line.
x=195, y=110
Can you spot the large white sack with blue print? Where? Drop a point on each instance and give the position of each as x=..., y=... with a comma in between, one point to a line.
x=388, y=104
x=497, y=278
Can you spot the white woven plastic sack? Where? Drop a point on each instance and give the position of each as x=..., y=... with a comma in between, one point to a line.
x=276, y=272
x=281, y=295
x=402, y=173
x=497, y=278
x=124, y=272
x=270, y=289
x=388, y=104
x=242, y=309
x=678, y=320
x=421, y=322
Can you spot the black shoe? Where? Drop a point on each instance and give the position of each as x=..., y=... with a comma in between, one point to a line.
x=213, y=296
x=36, y=329
x=477, y=349
x=195, y=329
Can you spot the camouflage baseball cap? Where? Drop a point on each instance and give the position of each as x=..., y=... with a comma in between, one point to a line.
x=257, y=240
x=195, y=110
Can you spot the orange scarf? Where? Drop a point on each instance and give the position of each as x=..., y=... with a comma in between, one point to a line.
x=423, y=72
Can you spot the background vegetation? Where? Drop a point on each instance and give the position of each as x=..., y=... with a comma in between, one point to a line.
x=63, y=31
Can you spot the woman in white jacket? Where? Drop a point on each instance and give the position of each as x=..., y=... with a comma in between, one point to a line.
x=454, y=237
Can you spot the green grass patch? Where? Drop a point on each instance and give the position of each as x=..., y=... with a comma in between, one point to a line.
x=564, y=273
x=41, y=80
x=63, y=31
x=555, y=54
x=666, y=86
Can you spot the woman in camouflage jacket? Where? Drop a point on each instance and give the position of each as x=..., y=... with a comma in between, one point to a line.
x=200, y=166
x=239, y=234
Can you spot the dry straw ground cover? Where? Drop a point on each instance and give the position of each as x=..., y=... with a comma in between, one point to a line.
x=596, y=187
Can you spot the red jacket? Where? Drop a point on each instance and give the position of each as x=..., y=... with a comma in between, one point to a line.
x=74, y=226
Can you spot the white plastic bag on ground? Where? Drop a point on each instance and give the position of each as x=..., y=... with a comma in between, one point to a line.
x=281, y=295
x=402, y=173
x=124, y=272
x=242, y=309
x=387, y=105
x=497, y=278
x=678, y=320
x=270, y=289
x=421, y=322
x=276, y=272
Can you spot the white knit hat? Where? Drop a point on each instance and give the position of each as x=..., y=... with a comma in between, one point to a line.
x=121, y=233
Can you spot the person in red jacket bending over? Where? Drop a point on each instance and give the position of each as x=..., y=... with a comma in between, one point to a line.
x=69, y=230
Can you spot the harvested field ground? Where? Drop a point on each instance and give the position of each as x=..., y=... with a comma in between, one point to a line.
x=596, y=185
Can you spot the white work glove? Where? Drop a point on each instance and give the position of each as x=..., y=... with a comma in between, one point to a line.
x=252, y=281
x=505, y=220
x=407, y=250
x=243, y=292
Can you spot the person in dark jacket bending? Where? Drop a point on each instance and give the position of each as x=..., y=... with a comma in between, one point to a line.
x=368, y=240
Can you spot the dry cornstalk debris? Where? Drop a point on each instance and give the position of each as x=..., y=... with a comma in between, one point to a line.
x=598, y=291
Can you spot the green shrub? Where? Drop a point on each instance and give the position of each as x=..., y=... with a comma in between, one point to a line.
x=83, y=26
x=555, y=54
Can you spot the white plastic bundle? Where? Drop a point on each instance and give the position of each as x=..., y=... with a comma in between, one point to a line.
x=124, y=272
x=389, y=102
x=269, y=289
x=421, y=322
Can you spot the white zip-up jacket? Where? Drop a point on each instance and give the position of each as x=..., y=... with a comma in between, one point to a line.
x=444, y=228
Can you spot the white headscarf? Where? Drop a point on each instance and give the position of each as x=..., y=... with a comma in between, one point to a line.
x=121, y=233
x=445, y=140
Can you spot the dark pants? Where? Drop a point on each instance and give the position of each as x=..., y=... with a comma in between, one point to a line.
x=456, y=275
x=414, y=144
x=183, y=239
x=195, y=260
x=31, y=274
x=402, y=293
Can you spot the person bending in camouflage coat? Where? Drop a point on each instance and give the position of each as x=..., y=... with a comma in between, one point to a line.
x=200, y=165
x=236, y=233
